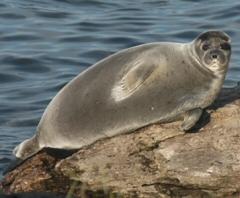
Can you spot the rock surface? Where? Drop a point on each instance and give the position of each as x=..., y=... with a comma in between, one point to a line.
x=155, y=161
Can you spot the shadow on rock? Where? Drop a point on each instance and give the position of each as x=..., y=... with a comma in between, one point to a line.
x=227, y=95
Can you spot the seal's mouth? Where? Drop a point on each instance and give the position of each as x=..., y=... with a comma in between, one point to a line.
x=216, y=66
x=215, y=63
x=215, y=59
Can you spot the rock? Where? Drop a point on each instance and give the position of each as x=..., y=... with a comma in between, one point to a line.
x=156, y=161
x=31, y=195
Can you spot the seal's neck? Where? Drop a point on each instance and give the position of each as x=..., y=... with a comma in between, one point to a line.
x=217, y=76
x=194, y=59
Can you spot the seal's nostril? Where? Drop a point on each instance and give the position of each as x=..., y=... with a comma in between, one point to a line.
x=214, y=56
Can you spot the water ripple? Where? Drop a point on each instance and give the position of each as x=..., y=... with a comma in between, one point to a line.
x=8, y=78
x=19, y=37
x=26, y=64
x=11, y=16
x=96, y=54
x=78, y=39
x=51, y=14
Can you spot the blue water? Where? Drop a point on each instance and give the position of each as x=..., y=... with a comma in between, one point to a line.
x=45, y=43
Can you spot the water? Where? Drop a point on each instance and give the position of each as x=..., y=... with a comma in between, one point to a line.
x=45, y=43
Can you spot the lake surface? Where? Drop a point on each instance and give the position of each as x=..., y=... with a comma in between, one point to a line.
x=45, y=43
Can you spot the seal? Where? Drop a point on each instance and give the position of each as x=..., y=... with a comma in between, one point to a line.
x=135, y=87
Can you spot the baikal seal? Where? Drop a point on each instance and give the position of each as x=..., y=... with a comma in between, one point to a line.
x=135, y=87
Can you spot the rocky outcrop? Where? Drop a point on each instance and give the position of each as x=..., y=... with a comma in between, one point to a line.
x=155, y=161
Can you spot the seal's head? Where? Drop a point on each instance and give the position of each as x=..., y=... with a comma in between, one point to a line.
x=213, y=50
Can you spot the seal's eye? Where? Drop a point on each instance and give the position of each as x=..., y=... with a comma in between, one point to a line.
x=205, y=47
x=225, y=46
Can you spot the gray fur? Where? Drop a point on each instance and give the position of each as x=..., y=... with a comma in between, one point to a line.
x=130, y=89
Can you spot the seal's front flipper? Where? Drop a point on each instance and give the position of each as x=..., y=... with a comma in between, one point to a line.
x=190, y=118
x=133, y=79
